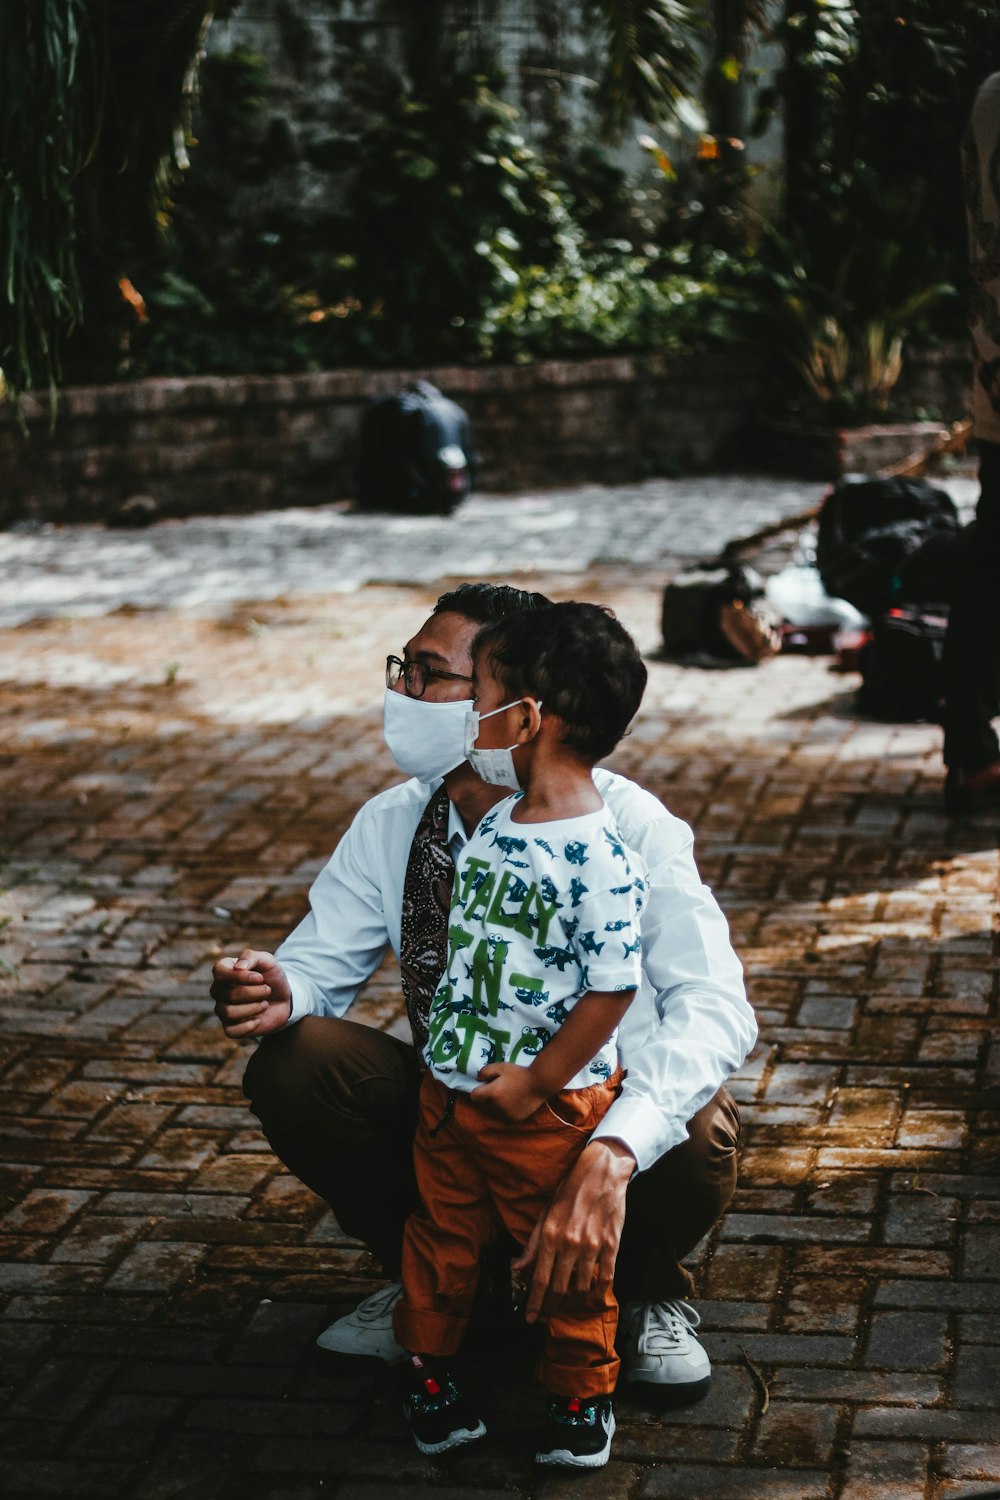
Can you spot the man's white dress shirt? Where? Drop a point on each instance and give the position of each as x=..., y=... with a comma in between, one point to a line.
x=689, y=1026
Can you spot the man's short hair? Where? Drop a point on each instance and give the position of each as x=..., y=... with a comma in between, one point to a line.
x=486, y=602
x=580, y=661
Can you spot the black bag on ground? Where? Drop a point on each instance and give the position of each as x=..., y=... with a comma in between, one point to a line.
x=870, y=530
x=719, y=612
x=416, y=452
x=902, y=672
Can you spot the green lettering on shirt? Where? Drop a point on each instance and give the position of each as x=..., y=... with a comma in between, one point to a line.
x=458, y=939
x=496, y=912
x=487, y=973
x=471, y=1027
x=442, y=1044
x=543, y=912
x=481, y=897
x=531, y=1041
x=469, y=873
x=527, y=982
x=522, y=921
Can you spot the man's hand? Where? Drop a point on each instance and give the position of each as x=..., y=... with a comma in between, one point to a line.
x=575, y=1242
x=251, y=993
x=506, y=1089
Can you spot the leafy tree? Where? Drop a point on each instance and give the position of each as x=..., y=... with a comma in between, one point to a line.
x=733, y=24
x=91, y=95
x=875, y=99
x=47, y=122
x=870, y=250
x=226, y=289
x=652, y=61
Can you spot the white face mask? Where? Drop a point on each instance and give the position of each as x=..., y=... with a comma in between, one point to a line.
x=494, y=766
x=426, y=740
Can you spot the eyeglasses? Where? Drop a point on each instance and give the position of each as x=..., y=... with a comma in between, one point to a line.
x=416, y=676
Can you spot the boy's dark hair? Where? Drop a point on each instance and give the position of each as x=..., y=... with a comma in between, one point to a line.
x=486, y=602
x=579, y=660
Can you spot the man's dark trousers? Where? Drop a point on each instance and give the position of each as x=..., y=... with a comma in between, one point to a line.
x=338, y=1104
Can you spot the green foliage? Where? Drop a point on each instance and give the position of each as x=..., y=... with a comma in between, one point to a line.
x=652, y=60
x=90, y=95
x=444, y=201
x=222, y=288
x=246, y=324
x=455, y=242
x=44, y=139
x=840, y=352
x=610, y=298
x=876, y=96
x=872, y=249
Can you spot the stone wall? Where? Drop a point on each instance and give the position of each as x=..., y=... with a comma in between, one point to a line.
x=241, y=443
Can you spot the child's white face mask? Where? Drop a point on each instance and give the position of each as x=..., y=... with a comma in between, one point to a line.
x=494, y=766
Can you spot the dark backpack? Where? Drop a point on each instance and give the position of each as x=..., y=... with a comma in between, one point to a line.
x=871, y=531
x=902, y=672
x=416, y=452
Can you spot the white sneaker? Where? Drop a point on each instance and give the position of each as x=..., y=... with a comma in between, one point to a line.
x=367, y=1331
x=661, y=1354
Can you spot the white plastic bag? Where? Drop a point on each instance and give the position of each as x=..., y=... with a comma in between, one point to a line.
x=798, y=595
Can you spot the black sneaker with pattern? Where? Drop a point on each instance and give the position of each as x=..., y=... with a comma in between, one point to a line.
x=578, y=1432
x=439, y=1416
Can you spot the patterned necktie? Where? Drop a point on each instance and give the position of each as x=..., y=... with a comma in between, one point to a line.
x=423, y=934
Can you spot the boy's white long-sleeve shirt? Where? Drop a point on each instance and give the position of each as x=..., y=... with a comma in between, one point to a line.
x=690, y=1025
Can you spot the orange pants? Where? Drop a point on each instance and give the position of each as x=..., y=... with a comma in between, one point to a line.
x=478, y=1174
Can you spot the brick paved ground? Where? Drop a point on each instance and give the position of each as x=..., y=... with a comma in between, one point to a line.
x=174, y=777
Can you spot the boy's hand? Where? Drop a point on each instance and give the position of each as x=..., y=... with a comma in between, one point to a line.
x=506, y=1089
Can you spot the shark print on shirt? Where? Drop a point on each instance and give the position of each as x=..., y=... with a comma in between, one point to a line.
x=528, y=937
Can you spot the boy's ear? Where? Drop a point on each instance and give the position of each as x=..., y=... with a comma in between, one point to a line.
x=529, y=720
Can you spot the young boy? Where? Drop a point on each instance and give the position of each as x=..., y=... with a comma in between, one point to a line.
x=521, y=1060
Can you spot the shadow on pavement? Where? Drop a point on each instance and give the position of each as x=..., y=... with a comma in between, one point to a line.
x=163, y=1279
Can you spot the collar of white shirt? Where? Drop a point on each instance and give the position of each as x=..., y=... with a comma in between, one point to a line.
x=457, y=836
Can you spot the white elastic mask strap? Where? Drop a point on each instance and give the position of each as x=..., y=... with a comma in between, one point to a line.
x=474, y=719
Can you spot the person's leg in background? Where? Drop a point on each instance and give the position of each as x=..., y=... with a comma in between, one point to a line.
x=972, y=654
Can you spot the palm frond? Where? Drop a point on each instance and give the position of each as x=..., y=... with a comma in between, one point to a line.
x=652, y=61
x=45, y=136
x=91, y=92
